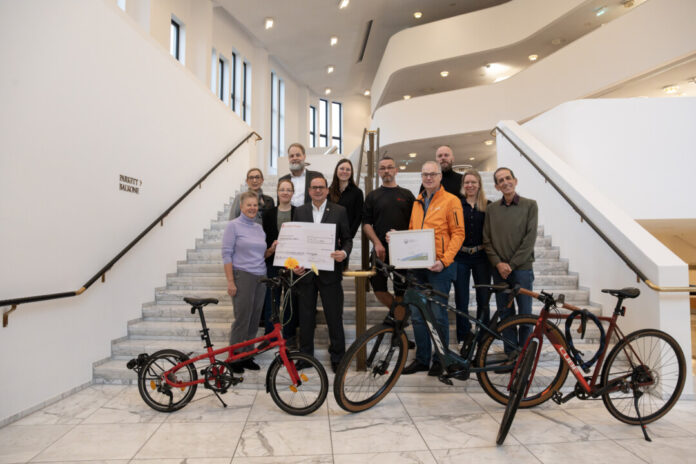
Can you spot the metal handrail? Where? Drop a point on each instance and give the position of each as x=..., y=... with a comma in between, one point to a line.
x=14, y=302
x=594, y=227
x=360, y=158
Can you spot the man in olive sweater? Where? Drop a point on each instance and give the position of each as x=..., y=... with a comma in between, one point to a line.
x=509, y=234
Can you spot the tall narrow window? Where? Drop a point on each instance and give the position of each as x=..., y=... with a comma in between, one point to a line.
x=281, y=117
x=337, y=125
x=312, y=126
x=274, y=119
x=222, y=70
x=176, y=40
x=246, y=92
x=323, y=123
x=233, y=82
x=121, y=4
x=213, y=71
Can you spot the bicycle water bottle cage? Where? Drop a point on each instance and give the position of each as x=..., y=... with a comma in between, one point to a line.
x=576, y=354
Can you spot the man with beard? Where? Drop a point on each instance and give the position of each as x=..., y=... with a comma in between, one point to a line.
x=300, y=177
x=451, y=181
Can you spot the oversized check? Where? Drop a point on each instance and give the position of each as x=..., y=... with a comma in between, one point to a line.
x=412, y=248
x=308, y=243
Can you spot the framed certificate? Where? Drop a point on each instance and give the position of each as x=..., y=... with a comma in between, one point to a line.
x=410, y=249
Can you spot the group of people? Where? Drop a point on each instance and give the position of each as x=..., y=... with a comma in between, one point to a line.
x=473, y=237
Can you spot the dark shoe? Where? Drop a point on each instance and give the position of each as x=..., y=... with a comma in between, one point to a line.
x=302, y=364
x=237, y=367
x=435, y=370
x=411, y=345
x=334, y=366
x=250, y=364
x=415, y=366
x=262, y=323
x=466, y=344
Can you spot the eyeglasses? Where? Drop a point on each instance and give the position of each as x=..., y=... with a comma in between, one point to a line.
x=317, y=187
x=429, y=174
x=254, y=178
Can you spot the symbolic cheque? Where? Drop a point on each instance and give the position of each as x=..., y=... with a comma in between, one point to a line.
x=410, y=249
x=308, y=243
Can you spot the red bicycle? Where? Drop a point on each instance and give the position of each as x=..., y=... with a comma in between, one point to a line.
x=641, y=379
x=297, y=382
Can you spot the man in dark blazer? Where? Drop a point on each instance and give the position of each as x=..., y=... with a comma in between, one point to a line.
x=327, y=283
x=299, y=176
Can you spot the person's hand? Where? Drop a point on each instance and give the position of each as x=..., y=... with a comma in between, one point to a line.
x=338, y=256
x=273, y=246
x=392, y=230
x=437, y=266
x=504, y=269
x=231, y=289
x=380, y=251
x=299, y=270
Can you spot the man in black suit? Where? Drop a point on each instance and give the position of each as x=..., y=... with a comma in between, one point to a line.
x=327, y=283
x=299, y=176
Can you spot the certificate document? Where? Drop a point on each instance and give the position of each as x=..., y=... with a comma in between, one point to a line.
x=308, y=243
x=410, y=249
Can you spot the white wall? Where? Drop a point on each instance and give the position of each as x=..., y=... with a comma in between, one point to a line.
x=656, y=34
x=103, y=100
x=597, y=265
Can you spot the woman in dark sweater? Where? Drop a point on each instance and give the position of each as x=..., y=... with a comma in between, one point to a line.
x=345, y=192
x=273, y=219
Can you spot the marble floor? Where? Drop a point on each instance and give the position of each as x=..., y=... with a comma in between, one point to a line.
x=111, y=424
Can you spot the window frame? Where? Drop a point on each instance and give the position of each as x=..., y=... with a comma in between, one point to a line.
x=312, y=126
x=324, y=131
x=338, y=137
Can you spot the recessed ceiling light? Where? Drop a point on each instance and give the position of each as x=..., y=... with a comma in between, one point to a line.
x=417, y=15
x=501, y=78
x=557, y=41
x=342, y=4
x=412, y=155
x=402, y=168
x=670, y=88
x=533, y=57
x=471, y=158
x=488, y=143
x=444, y=73
x=269, y=23
x=366, y=92
x=600, y=11
x=407, y=97
x=333, y=41
x=327, y=91
x=329, y=69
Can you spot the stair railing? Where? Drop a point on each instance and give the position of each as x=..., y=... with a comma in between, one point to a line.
x=15, y=302
x=639, y=274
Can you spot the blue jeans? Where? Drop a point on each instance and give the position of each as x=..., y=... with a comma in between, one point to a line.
x=525, y=278
x=441, y=282
x=478, y=265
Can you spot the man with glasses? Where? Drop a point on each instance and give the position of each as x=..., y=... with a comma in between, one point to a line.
x=386, y=208
x=254, y=181
x=441, y=211
x=299, y=176
x=327, y=283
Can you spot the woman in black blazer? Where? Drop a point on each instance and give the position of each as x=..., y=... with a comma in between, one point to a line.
x=273, y=219
x=345, y=192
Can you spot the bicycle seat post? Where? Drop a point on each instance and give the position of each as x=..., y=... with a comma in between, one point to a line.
x=205, y=335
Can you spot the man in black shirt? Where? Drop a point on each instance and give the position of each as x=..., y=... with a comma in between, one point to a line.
x=386, y=208
x=451, y=181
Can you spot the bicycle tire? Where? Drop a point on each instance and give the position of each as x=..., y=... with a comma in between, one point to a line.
x=357, y=391
x=303, y=399
x=665, y=362
x=156, y=392
x=550, y=372
x=519, y=386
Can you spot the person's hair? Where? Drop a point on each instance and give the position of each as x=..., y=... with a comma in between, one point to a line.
x=246, y=195
x=480, y=195
x=434, y=163
x=495, y=179
x=320, y=176
x=385, y=158
x=288, y=181
x=252, y=170
x=298, y=145
x=335, y=188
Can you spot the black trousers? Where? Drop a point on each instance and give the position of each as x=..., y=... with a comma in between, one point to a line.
x=332, y=302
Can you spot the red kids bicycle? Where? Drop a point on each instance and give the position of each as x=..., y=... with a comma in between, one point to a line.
x=297, y=382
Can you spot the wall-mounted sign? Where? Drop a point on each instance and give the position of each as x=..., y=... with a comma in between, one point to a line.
x=129, y=184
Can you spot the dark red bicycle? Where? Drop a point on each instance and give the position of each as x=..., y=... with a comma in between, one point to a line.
x=297, y=382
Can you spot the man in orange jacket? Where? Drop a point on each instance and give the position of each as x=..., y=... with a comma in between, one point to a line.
x=435, y=209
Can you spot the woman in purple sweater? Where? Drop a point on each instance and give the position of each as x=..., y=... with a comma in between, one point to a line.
x=243, y=253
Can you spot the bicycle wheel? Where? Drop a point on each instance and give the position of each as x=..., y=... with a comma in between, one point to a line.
x=298, y=400
x=519, y=385
x=651, y=362
x=550, y=372
x=156, y=392
x=386, y=353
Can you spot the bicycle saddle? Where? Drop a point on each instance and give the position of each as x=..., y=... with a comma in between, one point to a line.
x=628, y=292
x=200, y=301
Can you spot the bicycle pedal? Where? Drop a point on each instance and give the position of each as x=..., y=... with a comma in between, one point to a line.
x=445, y=380
x=556, y=397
